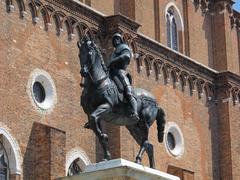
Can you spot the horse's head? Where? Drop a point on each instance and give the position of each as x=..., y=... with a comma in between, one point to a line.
x=86, y=50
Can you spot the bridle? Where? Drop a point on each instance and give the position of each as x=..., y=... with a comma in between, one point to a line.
x=92, y=51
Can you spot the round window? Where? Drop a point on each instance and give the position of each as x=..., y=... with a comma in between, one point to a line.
x=42, y=89
x=174, y=142
x=39, y=92
x=171, y=141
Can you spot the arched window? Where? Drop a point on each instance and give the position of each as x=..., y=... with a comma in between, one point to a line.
x=174, y=35
x=4, y=163
x=74, y=168
x=10, y=155
x=76, y=161
x=174, y=27
x=168, y=31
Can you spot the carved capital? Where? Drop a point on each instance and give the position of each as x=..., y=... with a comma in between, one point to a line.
x=235, y=20
x=214, y=6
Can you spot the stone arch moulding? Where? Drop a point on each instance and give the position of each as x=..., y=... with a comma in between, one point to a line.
x=157, y=64
x=10, y=143
x=74, y=154
x=179, y=18
x=49, y=14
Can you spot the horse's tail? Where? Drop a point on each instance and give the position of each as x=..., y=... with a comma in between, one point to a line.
x=160, y=124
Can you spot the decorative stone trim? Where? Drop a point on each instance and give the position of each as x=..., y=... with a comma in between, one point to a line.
x=48, y=14
x=74, y=154
x=177, y=15
x=227, y=88
x=161, y=67
x=235, y=20
x=155, y=57
x=175, y=133
x=50, y=99
x=219, y=7
x=212, y=7
x=15, y=158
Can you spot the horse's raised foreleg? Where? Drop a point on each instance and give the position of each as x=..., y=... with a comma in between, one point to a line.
x=96, y=127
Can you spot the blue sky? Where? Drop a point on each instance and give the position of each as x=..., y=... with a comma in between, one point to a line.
x=237, y=5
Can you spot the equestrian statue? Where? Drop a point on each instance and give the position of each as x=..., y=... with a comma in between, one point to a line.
x=108, y=95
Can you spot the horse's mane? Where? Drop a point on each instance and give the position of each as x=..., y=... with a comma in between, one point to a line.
x=97, y=50
x=100, y=56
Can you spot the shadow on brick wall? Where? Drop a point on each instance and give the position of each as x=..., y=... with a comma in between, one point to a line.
x=45, y=153
x=213, y=126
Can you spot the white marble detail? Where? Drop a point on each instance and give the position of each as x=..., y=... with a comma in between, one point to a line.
x=178, y=150
x=47, y=82
x=74, y=154
x=129, y=169
x=12, y=149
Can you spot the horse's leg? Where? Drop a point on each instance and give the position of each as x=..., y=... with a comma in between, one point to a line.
x=150, y=153
x=148, y=115
x=96, y=127
x=140, y=153
x=140, y=134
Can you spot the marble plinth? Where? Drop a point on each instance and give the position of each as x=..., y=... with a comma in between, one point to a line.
x=120, y=169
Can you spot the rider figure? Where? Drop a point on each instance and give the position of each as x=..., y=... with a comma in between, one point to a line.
x=119, y=61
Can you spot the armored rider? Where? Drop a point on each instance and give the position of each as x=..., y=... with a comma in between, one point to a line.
x=119, y=61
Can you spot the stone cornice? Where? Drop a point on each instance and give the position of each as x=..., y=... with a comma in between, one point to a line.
x=171, y=56
x=119, y=22
x=228, y=77
x=183, y=68
x=157, y=57
x=79, y=10
x=227, y=85
x=214, y=6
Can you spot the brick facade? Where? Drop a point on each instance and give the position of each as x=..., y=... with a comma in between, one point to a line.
x=198, y=87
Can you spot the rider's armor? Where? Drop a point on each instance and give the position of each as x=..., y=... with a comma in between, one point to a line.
x=118, y=68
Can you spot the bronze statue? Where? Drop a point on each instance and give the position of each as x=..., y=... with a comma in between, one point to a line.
x=102, y=99
x=120, y=59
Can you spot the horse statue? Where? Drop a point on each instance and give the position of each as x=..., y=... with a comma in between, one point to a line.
x=101, y=100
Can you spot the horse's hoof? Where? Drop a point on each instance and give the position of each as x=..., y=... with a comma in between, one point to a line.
x=138, y=161
x=106, y=159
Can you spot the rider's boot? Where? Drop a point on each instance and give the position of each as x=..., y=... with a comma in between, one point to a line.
x=133, y=103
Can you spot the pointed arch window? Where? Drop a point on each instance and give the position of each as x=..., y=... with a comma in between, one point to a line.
x=4, y=165
x=174, y=36
x=173, y=28
x=74, y=168
x=168, y=31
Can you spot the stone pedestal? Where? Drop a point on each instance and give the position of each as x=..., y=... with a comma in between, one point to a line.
x=120, y=169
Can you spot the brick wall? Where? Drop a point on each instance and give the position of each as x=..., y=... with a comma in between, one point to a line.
x=25, y=46
x=145, y=16
x=45, y=153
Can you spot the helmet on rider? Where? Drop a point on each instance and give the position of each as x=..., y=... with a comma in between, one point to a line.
x=117, y=39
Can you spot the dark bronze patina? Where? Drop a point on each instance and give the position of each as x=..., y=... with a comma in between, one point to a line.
x=109, y=96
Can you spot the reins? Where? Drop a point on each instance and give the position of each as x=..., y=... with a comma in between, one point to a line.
x=93, y=57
